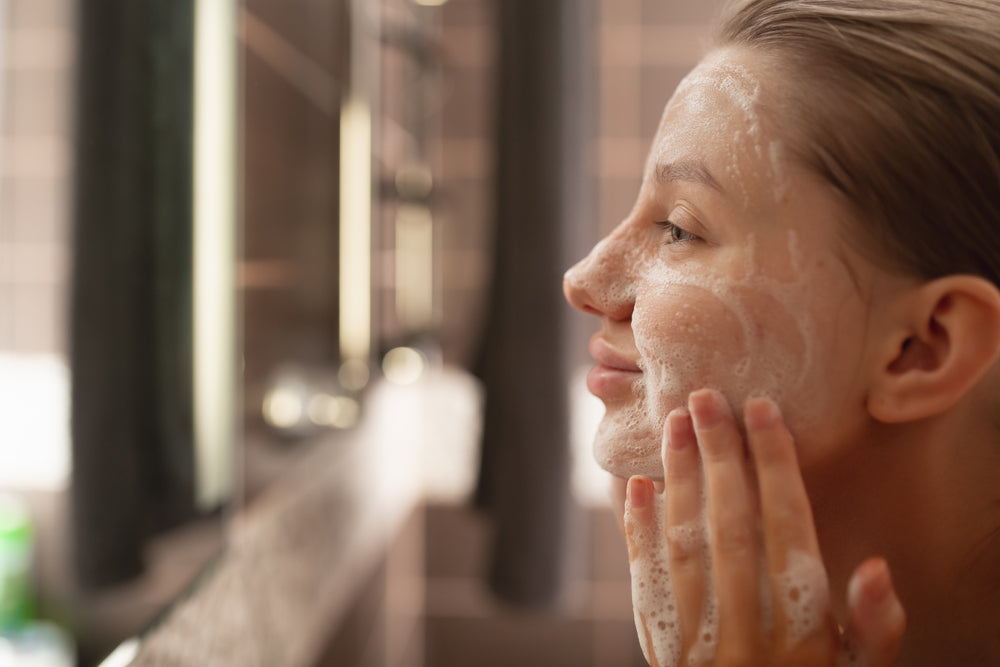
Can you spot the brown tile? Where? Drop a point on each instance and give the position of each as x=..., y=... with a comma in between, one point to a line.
x=465, y=104
x=38, y=102
x=468, y=46
x=41, y=156
x=38, y=264
x=465, y=215
x=509, y=639
x=466, y=13
x=680, y=11
x=290, y=161
x=675, y=45
x=620, y=12
x=305, y=25
x=657, y=85
x=622, y=158
x=40, y=13
x=39, y=210
x=39, y=320
x=456, y=542
x=615, y=201
x=7, y=184
x=620, y=45
x=607, y=544
x=620, y=93
x=617, y=645
x=465, y=159
x=6, y=318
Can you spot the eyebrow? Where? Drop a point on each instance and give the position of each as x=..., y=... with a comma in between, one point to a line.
x=686, y=170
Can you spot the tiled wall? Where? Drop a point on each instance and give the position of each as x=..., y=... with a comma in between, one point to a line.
x=35, y=174
x=291, y=56
x=466, y=164
x=645, y=48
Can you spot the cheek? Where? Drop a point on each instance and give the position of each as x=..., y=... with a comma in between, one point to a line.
x=741, y=340
x=688, y=337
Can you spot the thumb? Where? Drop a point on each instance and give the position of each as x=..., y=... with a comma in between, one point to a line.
x=876, y=619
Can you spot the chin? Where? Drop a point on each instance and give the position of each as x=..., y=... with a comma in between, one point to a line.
x=624, y=452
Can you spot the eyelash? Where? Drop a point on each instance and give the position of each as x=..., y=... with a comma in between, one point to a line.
x=677, y=234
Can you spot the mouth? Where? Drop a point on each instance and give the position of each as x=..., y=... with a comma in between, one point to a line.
x=614, y=374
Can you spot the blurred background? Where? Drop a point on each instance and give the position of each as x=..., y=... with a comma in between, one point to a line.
x=286, y=377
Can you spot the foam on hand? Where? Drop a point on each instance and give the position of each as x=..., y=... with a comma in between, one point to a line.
x=801, y=588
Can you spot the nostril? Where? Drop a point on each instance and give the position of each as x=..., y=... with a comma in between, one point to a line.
x=595, y=299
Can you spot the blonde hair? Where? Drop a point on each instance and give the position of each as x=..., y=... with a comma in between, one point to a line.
x=897, y=104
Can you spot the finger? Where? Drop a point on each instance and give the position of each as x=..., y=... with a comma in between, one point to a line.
x=685, y=529
x=799, y=587
x=732, y=521
x=640, y=528
x=876, y=620
x=650, y=586
x=785, y=509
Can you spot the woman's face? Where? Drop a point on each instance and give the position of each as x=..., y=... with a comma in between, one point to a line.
x=730, y=272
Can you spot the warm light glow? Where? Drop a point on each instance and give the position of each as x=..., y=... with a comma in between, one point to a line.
x=403, y=365
x=333, y=411
x=282, y=407
x=34, y=422
x=214, y=249
x=355, y=229
x=353, y=375
x=414, y=267
x=430, y=3
x=124, y=654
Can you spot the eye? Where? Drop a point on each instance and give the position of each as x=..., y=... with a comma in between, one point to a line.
x=674, y=233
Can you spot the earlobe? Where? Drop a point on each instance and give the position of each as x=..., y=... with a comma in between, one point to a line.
x=945, y=338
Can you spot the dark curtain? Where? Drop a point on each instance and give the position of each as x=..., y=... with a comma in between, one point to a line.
x=541, y=199
x=130, y=340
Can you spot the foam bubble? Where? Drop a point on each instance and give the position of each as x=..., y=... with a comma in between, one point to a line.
x=803, y=595
x=802, y=592
x=657, y=620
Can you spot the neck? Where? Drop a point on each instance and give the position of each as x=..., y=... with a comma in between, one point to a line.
x=924, y=496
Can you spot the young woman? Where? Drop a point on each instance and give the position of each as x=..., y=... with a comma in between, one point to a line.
x=800, y=328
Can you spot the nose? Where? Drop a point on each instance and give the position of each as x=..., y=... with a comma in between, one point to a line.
x=600, y=284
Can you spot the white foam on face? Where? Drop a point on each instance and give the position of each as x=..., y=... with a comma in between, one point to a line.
x=744, y=336
x=708, y=94
x=625, y=443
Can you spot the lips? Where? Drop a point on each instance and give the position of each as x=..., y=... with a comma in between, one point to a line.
x=614, y=373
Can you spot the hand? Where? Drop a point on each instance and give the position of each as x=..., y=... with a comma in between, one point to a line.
x=749, y=588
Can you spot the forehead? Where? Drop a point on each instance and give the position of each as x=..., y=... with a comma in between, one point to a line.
x=714, y=118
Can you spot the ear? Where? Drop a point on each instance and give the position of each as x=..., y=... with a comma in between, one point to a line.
x=944, y=338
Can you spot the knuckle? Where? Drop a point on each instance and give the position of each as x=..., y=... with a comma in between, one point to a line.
x=737, y=540
x=685, y=543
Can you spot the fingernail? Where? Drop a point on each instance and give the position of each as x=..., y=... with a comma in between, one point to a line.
x=760, y=414
x=871, y=584
x=880, y=584
x=708, y=408
x=640, y=491
x=679, y=429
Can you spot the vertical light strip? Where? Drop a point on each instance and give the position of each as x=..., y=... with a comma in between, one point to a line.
x=356, y=190
x=355, y=227
x=214, y=249
x=414, y=267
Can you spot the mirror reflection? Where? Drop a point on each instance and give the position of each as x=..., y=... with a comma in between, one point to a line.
x=286, y=377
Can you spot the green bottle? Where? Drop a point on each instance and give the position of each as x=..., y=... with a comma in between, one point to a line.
x=16, y=545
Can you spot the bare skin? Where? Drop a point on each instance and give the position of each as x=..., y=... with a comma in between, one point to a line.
x=732, y=272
